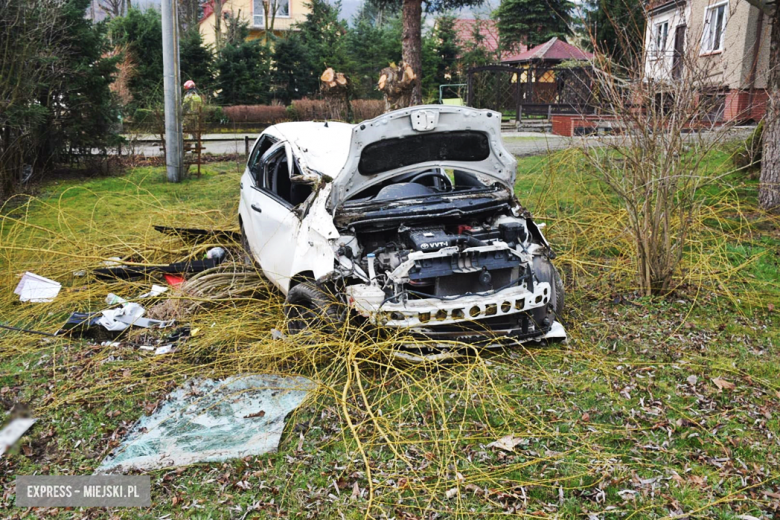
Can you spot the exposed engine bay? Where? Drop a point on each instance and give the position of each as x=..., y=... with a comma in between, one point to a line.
x=444, y=265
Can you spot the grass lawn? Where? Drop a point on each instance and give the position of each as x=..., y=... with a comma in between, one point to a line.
x=654, y=408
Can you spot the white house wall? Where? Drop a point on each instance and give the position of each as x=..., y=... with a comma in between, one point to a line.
x=658, y=64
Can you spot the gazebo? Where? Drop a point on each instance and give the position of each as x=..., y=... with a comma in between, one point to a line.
x=550, y=53
x=535, y=82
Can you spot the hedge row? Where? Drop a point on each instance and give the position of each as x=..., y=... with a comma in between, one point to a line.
x=299, y=110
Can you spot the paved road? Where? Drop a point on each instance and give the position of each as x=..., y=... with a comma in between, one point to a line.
x=216, y=144
x=519, y=143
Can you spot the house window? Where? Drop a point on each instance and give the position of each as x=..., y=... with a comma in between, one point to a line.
x=258, y=10
x=714, y=28
x=660, y=37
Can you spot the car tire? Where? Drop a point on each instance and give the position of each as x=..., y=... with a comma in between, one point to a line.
x=311, y=307
x=546, y=272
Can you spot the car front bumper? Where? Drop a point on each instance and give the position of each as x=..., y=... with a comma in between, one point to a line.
x=512, y=313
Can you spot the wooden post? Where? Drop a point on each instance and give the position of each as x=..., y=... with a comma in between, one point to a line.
x=518, y=104
x=246, y=146
x=470, y=91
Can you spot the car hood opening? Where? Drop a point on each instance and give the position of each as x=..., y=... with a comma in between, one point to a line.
x=423, y=137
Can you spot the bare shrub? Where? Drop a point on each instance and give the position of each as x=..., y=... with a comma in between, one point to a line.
x=665, y=124
x=264, y=114
x=363, y=109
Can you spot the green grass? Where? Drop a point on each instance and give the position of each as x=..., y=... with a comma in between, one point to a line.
x=611, y=423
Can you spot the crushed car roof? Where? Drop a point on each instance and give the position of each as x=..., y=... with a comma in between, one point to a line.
x=324, y=147
x=335, y=149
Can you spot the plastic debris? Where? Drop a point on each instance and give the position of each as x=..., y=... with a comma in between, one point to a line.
x=174, y=279
x=209, y=421
x=157, y=290
x=127, y=272
x=13, y=431
x=215, y=253
x=37, y=289
x=113, y=299
x=117, y=320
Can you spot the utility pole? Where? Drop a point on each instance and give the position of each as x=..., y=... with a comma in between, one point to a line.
x=174, y=141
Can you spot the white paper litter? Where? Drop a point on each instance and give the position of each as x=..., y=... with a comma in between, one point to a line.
x=13, y=431
x=165, y=349
x=37, y=289
x=207, y=421
x=157, y=290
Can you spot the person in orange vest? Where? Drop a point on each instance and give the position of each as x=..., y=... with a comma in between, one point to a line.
x=191, y=95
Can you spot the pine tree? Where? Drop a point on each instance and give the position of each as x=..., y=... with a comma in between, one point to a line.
x=243, y=68
x=374, y=42
x=411, y=36
x=475, y=53
x=324, y=35
x=615, y=28
x=293, y=75
x=447, y=49
x=139, y=32
x=83, y=115
x=532, y=22
x=54, y=86
x=196, y=61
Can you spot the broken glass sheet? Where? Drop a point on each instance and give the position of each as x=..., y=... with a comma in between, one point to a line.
x=206, y=421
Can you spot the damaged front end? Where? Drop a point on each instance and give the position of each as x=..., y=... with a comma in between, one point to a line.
x=463, y=267
x=427, y=235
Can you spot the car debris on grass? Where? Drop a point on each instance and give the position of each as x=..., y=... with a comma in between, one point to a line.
x=37, y=289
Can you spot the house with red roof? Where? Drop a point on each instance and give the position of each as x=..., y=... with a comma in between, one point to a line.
x=465, y=30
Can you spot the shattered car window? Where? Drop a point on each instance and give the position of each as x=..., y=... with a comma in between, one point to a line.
x=390, y=154
x=255, y=164
x=279, y=183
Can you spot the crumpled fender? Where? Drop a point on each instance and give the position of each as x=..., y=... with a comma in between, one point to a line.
x=314, y=252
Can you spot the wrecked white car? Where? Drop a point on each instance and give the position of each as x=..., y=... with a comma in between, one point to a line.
x=409, y=219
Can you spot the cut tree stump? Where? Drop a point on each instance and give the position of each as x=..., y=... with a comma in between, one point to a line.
x=336, y=88
x=397, y=84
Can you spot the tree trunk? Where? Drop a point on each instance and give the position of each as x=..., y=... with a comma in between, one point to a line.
x=769, y=190
x=218, y=39
x=411, y=39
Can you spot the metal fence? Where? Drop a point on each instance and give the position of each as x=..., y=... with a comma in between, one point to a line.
x=532, y=91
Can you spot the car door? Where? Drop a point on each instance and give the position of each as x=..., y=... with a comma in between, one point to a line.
x=253, y=175
x=274, y=224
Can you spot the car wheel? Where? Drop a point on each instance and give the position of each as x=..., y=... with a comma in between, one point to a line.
x=546, y=272
x=311, y=307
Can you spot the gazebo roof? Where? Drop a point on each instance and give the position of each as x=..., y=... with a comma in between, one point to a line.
x=552, y=50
